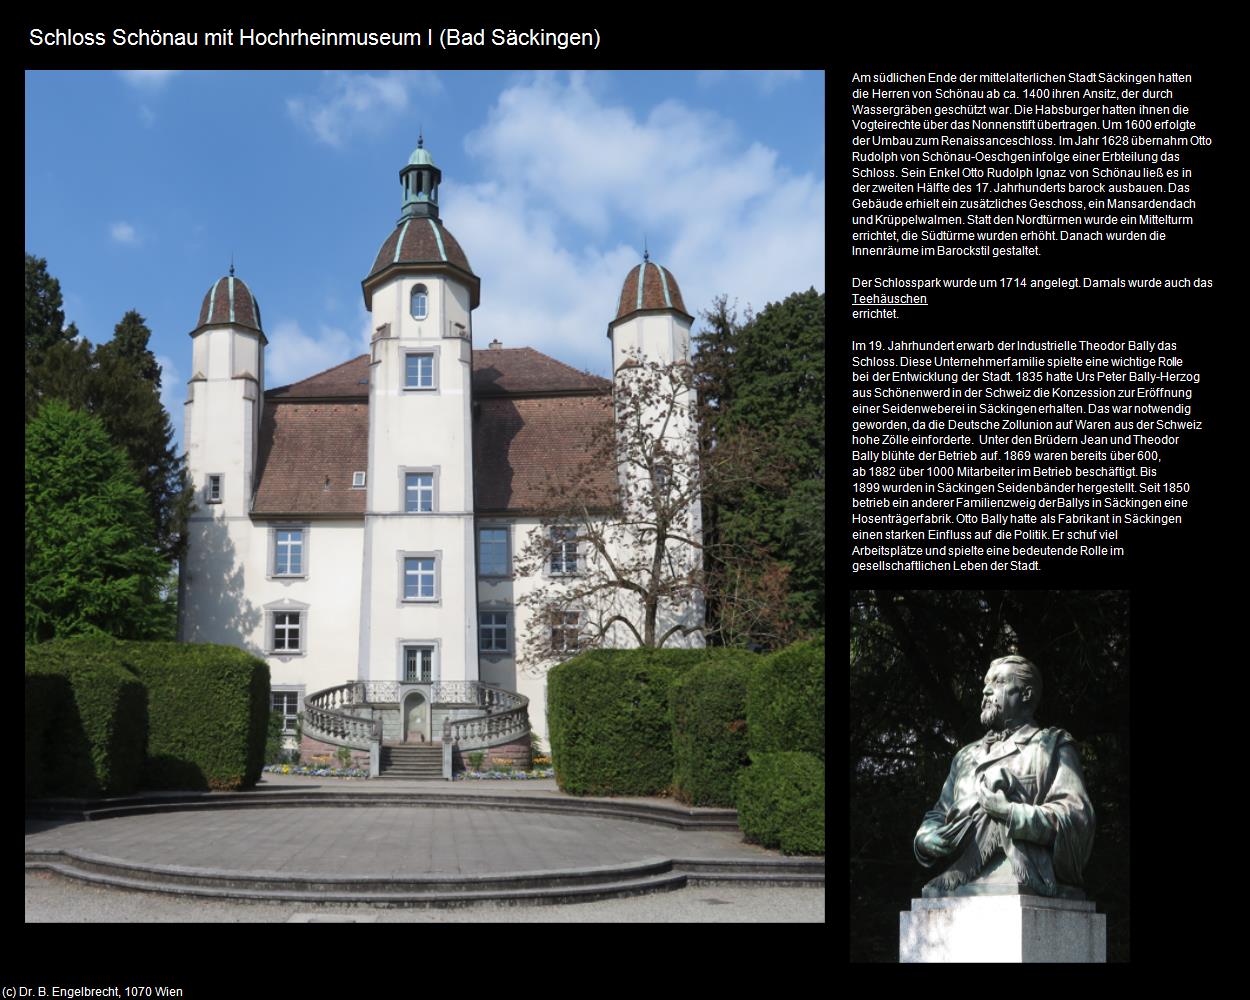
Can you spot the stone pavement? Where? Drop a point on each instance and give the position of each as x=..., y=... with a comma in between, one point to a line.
x=396, y=840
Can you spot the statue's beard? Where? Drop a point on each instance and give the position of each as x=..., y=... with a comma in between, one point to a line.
x=992, y=716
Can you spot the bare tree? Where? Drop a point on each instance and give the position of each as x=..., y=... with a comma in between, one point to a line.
x=620, y=543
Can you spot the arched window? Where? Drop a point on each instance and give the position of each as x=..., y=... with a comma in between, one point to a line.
x=420, y=302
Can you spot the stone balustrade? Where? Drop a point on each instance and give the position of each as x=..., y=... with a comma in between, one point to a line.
x=329, y=714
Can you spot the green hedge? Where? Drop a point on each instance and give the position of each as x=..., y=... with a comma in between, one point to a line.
x=608, y=719
x=709, y=711
x=781, y=802
x=85, y=719
x=786, y=702
x=208, y=714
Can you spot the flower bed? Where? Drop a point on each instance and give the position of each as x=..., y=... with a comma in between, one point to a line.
x=534, y=775
x=317, y=772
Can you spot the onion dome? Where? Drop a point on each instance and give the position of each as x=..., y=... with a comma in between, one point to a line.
x=420, y=243
x=230, y=303
x=649, y=287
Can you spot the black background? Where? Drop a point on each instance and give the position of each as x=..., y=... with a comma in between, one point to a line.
x=1186, y=585
x=1184, y=580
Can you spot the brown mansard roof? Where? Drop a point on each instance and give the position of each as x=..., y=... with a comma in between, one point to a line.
x=308, y=453
x=534, y=425
x=522, y=447
x=506, y=370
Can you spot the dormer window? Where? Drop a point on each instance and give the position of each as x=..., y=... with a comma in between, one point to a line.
x=358, y=480
x=420, y=302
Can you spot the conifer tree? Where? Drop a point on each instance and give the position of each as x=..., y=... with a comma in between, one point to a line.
x=90, y=560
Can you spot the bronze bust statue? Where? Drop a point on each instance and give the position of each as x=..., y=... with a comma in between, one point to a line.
x=1013, y=816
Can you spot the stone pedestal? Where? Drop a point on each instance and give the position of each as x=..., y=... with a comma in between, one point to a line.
x=1004, y=928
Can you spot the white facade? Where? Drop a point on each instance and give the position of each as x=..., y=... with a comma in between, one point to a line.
x=326, y=594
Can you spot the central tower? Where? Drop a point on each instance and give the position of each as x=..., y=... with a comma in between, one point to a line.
x=418, y=616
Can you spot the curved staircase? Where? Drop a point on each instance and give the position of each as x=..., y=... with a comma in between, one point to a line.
x=471, y=716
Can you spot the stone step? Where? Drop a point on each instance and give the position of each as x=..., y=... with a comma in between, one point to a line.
x=446, y=890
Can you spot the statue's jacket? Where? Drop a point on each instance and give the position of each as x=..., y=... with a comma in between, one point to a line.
x=1049, y=834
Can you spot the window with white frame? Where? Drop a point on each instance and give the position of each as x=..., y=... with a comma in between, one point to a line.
x=492, y=552
x=288, y=628
x=420, y=578
x=212, y=489
x=288, y=552
x=420, y=302
x=358, y=480
x=418, y=664
x=419, y=371
x=492, y=630
x=563, y=550
x=286, y=702
x=418, y=492
x=566, y=629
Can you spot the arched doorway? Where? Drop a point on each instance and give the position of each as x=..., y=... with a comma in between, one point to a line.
x=416, y=718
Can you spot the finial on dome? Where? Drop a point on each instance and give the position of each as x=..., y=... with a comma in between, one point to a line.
x=232, y=263
x=646, y=255
x=420, y=137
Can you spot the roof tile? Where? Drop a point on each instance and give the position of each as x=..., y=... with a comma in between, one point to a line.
x=308, y=453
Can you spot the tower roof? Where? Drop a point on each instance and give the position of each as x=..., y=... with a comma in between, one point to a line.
x=649, y=286
x=420, y=244
x=229, y=302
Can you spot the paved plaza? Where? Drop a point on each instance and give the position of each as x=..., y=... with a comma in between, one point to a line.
x=394, y=839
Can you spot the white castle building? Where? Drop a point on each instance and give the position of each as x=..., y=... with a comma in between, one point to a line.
x=360, y=529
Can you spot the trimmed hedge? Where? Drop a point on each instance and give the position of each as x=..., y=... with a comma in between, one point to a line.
x=781, y=802
x=86, y=722
x=208, y=714
x=709, y=712
x=786, y=702
x=608, y=719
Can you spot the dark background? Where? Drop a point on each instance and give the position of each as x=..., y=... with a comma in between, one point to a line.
x=918, y=659
x=921, y=643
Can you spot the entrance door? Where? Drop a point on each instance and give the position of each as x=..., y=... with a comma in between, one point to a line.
x=416, y=718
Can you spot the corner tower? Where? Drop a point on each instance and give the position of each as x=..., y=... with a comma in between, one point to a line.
x=418, y=605
x=225, y=398
x=657, y=431
x=651, y=319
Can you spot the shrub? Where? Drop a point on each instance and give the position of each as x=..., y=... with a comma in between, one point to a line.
x=46, y=696
x=609, y=722
x=709, y=711
x=208, y=714
x=86, y=719
x=781, y=802
x=786, y=701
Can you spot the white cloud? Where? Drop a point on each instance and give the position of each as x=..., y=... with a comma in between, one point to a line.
x=293, y=354
x=351, y=103
x=766, y=81
x=150, y=80
x=723, y=214
x=124, y=232
x=770, y=80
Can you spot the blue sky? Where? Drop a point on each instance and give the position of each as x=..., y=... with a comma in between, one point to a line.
x=140, y=186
